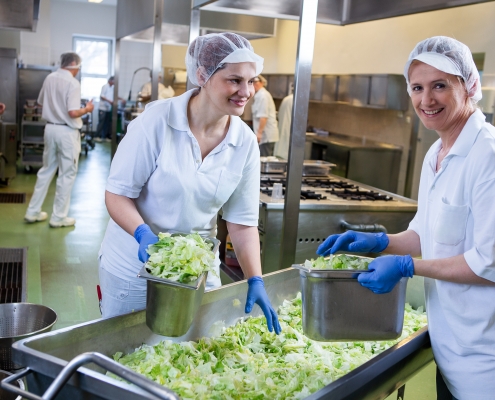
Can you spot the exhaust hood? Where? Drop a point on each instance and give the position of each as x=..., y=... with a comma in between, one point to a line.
x=336, y=12
x=19, y=14
x=135, y=22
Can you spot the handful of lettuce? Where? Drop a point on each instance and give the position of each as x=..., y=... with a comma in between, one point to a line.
x=180, y=258
x=339, y=261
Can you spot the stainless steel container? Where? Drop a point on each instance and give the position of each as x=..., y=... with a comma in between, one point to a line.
x=337, y=308
x=171, y=306
x=18, y=321
x=316, y=168
x=273, y=167
x=47, y=354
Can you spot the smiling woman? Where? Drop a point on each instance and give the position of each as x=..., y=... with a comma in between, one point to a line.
x=452, y=230
x=182, y=160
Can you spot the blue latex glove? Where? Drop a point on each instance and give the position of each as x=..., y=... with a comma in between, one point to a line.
x=257, y=294
x=387, y=271
x=356, y=242
x=144, y=237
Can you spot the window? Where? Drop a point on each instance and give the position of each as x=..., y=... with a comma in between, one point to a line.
x=97, y=64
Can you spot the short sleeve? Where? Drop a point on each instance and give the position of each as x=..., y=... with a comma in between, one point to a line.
x=261, y=107
x=41, y=95
x=74, y=97
x=414, y=225
x=243, y=205
x=134, y=161
x=481, y=257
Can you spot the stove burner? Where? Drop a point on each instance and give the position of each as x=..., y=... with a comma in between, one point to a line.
x=305, y=194
x=310, y=195
x=339, y=188
x=359, y=194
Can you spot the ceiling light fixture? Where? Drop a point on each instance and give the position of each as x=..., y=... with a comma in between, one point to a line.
x=95, y=1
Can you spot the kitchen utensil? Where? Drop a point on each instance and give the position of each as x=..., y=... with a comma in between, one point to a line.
x=20, y=320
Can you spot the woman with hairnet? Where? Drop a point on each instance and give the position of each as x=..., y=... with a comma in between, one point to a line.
x=453, y=230
x=181, y=161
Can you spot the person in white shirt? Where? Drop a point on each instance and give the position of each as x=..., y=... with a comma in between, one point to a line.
x=60, y=97
x=164, y=92
x=181, y=161
x=105, y=112
x=284, y=120
x=453, y=230
x=264, y=117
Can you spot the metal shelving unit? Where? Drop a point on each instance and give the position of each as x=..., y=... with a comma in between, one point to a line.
x=32, y=138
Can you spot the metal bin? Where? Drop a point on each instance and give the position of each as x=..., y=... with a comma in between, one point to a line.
x=337, y=308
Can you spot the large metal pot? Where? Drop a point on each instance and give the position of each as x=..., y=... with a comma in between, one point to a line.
x=18, y=321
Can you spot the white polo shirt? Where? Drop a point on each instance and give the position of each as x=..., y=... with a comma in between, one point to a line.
x=264, y=107
x=456, y=215
x=158, y=163
x=60, y=93
x=107, y=92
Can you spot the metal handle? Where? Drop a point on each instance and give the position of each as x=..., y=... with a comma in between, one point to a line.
x=363, y=227
x=85, y=358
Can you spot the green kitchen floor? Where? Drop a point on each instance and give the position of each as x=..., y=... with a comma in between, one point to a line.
x=62, y=270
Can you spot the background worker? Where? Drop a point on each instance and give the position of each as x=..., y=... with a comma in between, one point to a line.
x=164, y=92
x=453, y=229
x=284, y=120
x=2, y=108
x=264, y=117
x=60, y=97
x=105, y=112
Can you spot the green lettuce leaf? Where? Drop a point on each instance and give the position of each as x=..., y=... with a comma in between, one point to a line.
x=180, y=258
x=248, y=362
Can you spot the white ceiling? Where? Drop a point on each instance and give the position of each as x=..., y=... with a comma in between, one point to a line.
x=104, y=2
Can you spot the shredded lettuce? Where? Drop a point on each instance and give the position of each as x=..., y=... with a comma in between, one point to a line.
x=180, y=258
x=248, y=362
x=339, y=261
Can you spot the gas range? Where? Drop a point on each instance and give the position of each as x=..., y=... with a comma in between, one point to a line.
x=328, y=189
x=329, y=204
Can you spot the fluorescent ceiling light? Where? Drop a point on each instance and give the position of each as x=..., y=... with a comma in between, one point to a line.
x=95, y=1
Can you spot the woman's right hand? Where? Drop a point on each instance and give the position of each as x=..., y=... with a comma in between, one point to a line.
x=356, y=242
x=145, y=237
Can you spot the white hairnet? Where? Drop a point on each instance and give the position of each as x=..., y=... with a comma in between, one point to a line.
x=210, y=52
x=450, y=56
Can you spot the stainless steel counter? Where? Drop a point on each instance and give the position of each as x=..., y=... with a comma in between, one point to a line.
x=48, y=353
x=320, y=218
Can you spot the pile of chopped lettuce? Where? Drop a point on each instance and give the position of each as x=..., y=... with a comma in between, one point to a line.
x=339, y=261
x=180, y=258
x=249, y=362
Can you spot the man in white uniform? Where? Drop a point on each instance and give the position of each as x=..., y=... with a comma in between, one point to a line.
x=163, y=92
x=264, y=117
x=60, y=97
x=105, y=112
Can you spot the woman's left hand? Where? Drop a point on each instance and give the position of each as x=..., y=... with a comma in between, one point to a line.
x=257, y=294
x=386, y=272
